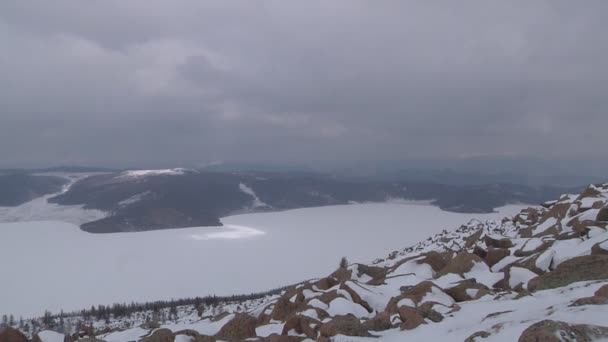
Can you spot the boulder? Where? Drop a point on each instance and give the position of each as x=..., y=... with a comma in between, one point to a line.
x=436, y=260
x=376, y=273
x=410, y=317
x=588, y=267
x=460, y=293
x=602, y=215
x=301, y=325
x=462, y=263
x=556, y=331
x=195, y=335
x=472, y=239
x=417, y=292
x=498, y=243
x=241, y=327
x=602, y=291
x=348, y=325
x=494, y=255
x=598, y=250
x=356, y=298
x=480, y=252
x=281, y=338
x=427, y=310
x=542, y=247
x=593, y=300
x=478, y=334
x=326, y=283
x=342, y=274
x=283, y=308
x=9, y=334
x=328, y=297
x=160, y=335
x=381, y=322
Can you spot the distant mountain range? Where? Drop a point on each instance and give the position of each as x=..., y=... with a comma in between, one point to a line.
x=139, y=200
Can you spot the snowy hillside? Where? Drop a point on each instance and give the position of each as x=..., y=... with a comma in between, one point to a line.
x=540, y=275
x=143, y=200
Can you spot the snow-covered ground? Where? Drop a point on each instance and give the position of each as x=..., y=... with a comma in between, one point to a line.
x=54, y=265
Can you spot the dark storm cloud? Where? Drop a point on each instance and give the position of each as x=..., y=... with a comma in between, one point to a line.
x=130, y=82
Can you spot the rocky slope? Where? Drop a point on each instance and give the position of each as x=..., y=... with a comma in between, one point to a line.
x=541, y=275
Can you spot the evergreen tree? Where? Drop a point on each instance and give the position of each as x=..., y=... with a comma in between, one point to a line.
x=343, y=263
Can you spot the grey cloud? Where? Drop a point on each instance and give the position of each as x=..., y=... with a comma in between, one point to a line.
x=189, y=81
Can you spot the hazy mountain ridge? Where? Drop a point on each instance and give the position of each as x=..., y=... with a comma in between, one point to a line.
x=173, y=198
x=539, y=274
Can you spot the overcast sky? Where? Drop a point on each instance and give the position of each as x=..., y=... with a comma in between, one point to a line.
x=143, y=81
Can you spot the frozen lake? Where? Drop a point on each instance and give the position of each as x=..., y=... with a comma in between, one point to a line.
x=54, y=265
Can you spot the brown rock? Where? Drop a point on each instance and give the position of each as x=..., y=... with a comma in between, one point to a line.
x=462, y=263
x=283, y=308
x=380, y=322
x=355, y=296
x=196, y=335
x=527, y=263
x=328, y=297
x=328, y=330
x=348, y=325
x=480, y=252
x=68, y=338
x=541, y=248
x=474, y=336
x=326, y=283
x=410, y=317
x=436, y=260
x=417, y=292
x=459, y=292
x=301, y=325
x=494, y=255
x=497, y=243
x=282, y=338
x=377, y=273
x=602, y=215
x=342, y=274
x=470, y=240
x=160, y=335
x=597, y=250
x=593, y=300
x=602, y=291
x=427, y=310
x=241, y=327
x=588, y=267
x=9, y=334
x=556, y=331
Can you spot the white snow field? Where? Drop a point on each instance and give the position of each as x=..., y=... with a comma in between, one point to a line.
x=54, y=265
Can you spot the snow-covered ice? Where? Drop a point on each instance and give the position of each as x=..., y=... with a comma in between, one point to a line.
x=54, y=265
